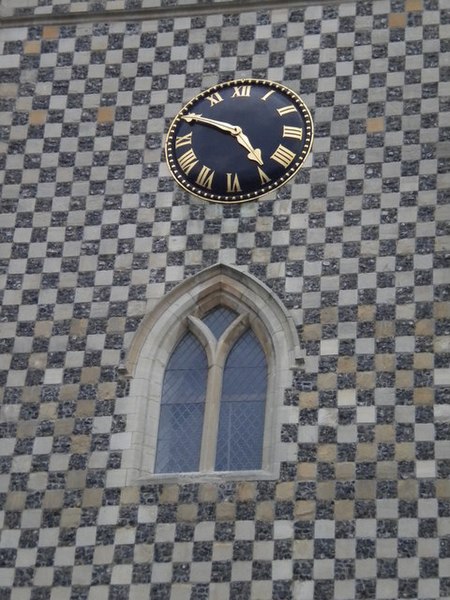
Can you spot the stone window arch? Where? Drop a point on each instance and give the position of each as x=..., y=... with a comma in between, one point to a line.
x=185, y=314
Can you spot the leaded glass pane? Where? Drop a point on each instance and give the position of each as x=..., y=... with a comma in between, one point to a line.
x=182, y=408
x=242, y=407
x=179, y=439
x=218, y=319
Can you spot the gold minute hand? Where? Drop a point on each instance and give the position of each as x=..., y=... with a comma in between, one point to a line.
x=235, y=130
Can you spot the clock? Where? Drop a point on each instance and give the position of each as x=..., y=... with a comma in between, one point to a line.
x=239, y=140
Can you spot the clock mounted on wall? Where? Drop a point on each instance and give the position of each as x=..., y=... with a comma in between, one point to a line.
x=239, y=140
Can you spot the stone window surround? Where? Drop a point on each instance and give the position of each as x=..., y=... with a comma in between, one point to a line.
x=179, y=311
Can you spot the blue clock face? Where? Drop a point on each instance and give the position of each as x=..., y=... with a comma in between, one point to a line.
x=239, y=140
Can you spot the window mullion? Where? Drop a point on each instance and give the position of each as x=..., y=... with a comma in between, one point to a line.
x=211, y=420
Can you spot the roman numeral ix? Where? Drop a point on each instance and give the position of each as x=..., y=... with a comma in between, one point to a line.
x=187, y=161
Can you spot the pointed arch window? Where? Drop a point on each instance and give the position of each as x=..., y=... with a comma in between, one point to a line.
x=213, y=409
x=209, y=366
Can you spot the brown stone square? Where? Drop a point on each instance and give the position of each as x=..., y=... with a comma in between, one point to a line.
x=326, y=453
x=207, y=492
x=105, y=114
x=42, y=328
x=407, y=489
x=92, y=497
x=346, y=364
x=116, y=324
x=32, y=47
x=78, y=327
x=385, y=362
x=329, y=314
x=15, y=501
x=70, y=517
x=374, y=125
x=308, y=400
x=31, y=394
x=80, y=444
x=85, y=408
x=366, y=452
x=404, y=379
x=26, y=429
x=425, y=327
x=53, y=499
x=64, y=426
x=312, y=332
x=226, y=511
x=397, y=20
x=326, y=490
x=345, y=470
x=90, y=374
x=285, y=490
x=384, y=329
x=306, y=471
x=69, y=391
x=405, y=451
x=385, y=433
x=424, y=360
x=305, y=510
x=443, y=488
x=186, y=512
x=441, y=310
x=265, y=511
x=107, y=390
x=327, y=381
x=50, y=32
x=169, y=493
x=365, y=380
x=387, y=469
x=246, y=490
x=423, y=396
x=413, y=5
x=365, y=490
x=76, y=480
x=303, y=549
x=344, y=510
x=48, y=411
x=129, y=495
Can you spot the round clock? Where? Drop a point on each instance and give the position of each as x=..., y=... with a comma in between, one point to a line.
x=239, y=140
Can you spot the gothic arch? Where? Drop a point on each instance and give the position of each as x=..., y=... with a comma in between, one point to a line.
x=160, y=330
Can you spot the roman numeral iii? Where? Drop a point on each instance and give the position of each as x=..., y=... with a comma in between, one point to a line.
x=292, y=132
x=283, y=155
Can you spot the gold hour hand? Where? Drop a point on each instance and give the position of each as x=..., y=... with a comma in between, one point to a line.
x=253, y=153
x=235, y=130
